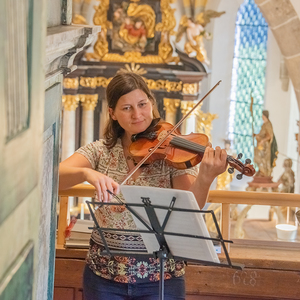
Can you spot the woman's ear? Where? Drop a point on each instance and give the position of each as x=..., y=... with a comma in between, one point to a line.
x=111, y=113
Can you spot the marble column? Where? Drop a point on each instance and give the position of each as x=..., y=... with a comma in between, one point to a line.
x=88, y=103
x=70, y=103
x=189, y=125
x=171, y=106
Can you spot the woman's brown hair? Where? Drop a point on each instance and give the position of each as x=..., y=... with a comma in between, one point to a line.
x=122, y=84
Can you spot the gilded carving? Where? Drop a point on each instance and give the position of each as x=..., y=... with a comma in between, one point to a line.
x=169, y=86
x=190, y=88
x=71, y=83
x=140, y=19
x=171, y=105
x=194, y=29
x=88, y=102
x=88, y=82
x=100, y=19
x=70, y=102
x=134, y=69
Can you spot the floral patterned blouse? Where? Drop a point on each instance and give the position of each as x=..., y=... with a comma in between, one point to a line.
x=132, y=268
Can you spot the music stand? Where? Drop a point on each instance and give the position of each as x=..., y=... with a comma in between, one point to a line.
x=171, y=225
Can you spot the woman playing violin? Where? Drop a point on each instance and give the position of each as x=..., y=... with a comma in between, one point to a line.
x=105, y=164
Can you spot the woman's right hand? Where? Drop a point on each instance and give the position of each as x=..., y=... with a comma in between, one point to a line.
x=102, y=183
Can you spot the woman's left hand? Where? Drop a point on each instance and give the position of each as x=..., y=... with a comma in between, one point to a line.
x=214, y=163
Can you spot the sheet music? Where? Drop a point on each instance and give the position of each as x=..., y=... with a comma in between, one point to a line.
x=179, y=222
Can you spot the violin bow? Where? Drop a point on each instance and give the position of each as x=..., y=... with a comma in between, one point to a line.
x=170, y=132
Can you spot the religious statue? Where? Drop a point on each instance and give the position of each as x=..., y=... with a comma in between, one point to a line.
x=287, y=179
x=265, y=153
x=195, y=32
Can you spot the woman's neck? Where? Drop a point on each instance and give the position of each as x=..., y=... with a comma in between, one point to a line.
x=126, y=140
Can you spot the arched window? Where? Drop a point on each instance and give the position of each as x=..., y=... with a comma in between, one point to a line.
x=248, y=77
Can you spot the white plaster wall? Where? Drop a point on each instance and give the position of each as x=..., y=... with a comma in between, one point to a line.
x=296, y=4
x=53, y=13
x=282, y=107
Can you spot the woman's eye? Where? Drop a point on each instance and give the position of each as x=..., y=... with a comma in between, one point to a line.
x=126, y=108
x=143, y=104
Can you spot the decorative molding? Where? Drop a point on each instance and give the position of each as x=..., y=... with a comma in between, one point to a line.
x=62, y=45
x=71, y=83
x=88, y=102
x=171, y=105
x=165, y=49
x=70, y=102
x=169, y=86
x=190, y=88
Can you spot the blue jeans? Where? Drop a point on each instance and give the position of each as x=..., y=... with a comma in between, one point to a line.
x=98, y=288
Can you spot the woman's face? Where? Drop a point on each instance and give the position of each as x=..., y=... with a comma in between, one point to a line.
x=133, y=112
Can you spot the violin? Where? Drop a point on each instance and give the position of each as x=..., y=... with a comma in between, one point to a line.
x=164, y=141
x=179, y=151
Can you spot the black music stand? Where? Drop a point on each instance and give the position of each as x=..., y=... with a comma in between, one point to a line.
x=169, y=222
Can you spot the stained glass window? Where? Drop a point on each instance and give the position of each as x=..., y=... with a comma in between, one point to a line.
x=248, y=77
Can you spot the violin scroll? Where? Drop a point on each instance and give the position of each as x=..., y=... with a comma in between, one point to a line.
x=245, y=169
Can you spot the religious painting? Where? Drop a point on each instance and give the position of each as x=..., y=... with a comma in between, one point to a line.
x=133, y=26
x=18, y=281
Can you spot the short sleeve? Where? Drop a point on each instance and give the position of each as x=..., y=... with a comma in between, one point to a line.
x=191, y=171
x=92, y=152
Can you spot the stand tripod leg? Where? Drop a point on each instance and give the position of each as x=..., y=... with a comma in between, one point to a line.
x=161, y=279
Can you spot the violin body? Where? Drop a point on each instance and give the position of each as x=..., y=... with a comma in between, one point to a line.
x=175, y=155
x=179, y=151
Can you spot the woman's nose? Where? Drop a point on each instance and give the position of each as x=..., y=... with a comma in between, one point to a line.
x=135, y=113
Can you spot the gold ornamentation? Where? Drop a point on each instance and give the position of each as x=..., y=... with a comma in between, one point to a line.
x=194, y=29
x=171, y=105
x=70, y=102
x=167, y=25
x=71, y=83
x=133, y=57
x=88, y=82
x=190, y=88
x=100, y=19
x=79, y=19
x=203, y=120
x=88, y=102
x=169, y=86
x=134, y=69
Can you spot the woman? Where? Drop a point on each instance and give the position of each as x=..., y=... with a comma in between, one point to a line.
x=105, y=164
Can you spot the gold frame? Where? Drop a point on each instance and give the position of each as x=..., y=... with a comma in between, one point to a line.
x=165, y=49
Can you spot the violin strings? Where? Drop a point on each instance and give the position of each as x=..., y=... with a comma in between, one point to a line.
x=177, y=141
x=187, y=144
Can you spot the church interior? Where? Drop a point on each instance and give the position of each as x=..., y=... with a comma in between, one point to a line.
x=226, y=69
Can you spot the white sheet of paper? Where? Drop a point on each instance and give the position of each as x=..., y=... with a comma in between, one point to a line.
x=179, y=222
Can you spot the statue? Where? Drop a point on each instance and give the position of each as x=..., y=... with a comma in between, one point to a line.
x=195, y=32
x=287, y=179
x=265, y=153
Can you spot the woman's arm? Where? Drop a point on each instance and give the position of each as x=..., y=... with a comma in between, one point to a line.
x=214, y=163
x=77, y=169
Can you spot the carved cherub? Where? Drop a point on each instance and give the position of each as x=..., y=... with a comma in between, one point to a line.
x=195, y=31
